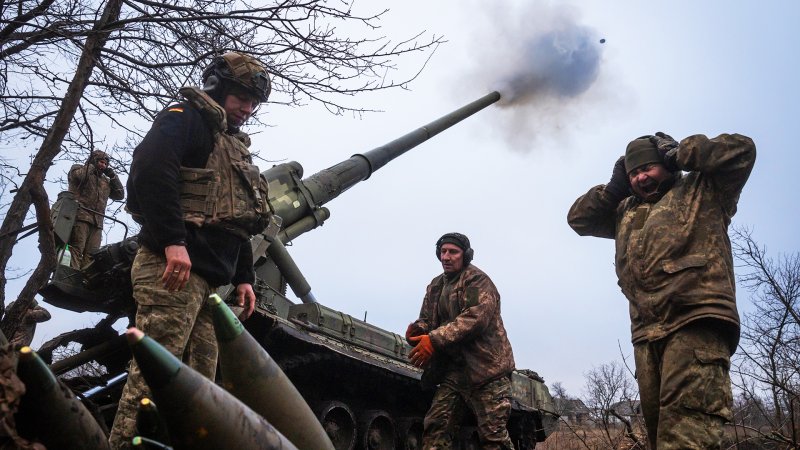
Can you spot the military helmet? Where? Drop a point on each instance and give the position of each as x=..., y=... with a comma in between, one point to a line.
x=97, y=155
x=240, y=69
x=460, y=241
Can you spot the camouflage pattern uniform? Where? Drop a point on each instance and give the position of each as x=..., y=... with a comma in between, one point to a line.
x=92, y=190
x=461, y=313
x=180, y=321
x=674, y=264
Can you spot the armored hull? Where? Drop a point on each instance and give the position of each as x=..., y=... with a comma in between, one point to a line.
x=337, y=360
x=355, y=376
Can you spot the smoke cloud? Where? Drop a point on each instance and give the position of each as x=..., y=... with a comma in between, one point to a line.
x=561, y=63
x=543, y=61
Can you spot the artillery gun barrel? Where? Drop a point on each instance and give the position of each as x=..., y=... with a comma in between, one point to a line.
x=360, y=166
x=293, y=199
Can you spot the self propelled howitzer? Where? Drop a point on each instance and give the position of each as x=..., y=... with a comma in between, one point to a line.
x=296, y=203
x=356, y=376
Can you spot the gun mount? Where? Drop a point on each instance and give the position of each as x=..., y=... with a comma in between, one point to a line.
x=370, y=391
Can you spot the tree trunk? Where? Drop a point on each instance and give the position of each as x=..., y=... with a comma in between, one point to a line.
x=47, y=262
x=32, y=187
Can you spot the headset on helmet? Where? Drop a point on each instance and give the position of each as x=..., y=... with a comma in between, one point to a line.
x=240, y=69
x=459, y=240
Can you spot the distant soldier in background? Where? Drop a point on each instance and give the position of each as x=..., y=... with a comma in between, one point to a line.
x=92, y=183
x=674, y=264
x=27, y=327
x=461, y=343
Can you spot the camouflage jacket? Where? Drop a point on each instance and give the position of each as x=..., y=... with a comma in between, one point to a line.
x=476, y=335
x=92, y=190
x=673, y=257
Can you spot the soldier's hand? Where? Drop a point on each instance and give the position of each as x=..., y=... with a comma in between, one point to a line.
x=246, y=298
x=422, y=353
x=667, y=148
x=663, y=141
x=179, y=266
x=109, y=172
x=413, y=330
x=619, y=186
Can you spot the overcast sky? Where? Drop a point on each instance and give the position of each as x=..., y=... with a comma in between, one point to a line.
x=507, y=176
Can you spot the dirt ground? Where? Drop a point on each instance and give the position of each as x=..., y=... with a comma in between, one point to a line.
x=585, y=439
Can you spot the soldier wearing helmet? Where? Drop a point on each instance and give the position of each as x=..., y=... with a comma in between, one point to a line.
x=92, y=183
x=199, y=198
x=461, y=343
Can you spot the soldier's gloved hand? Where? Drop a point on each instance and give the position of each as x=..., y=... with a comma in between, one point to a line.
x=619, y=186
x=422, y=353
x=667, y=148
x=412, y=331
x=109, y=172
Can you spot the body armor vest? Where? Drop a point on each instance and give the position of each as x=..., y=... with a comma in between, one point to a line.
x=230, y=191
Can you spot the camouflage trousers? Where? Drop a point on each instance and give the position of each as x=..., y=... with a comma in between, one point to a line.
x=180, y=321
x=84, y=239
x=685, y=387
x=491, y=404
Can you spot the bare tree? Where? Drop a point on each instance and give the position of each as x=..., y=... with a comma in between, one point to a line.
x=563, y=401
x=559, y=391
x=612, y=397
x=68, y=65
x=606, y=416
x=768, y=364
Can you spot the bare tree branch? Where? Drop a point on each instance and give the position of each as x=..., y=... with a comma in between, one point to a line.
x=768, y=365
x=69, y=68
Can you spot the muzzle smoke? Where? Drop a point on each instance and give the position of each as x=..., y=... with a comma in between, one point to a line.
x=543, y=63
x=561, y=63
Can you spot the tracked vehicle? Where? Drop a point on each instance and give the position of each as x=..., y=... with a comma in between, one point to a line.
x=355, y=375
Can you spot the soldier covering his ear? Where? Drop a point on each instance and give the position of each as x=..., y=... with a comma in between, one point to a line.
x=675, y=266
x=92, y=183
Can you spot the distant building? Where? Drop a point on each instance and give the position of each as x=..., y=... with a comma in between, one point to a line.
x=629, y=409
x=572, y=410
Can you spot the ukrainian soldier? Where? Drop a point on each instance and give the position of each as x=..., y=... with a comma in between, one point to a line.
x=460, y=341
x=199, y=198
x=674, y=264
x=92, y=184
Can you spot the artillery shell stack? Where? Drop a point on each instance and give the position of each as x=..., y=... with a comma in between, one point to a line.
x=250, y=374
x=198, y=413
x=50, y=413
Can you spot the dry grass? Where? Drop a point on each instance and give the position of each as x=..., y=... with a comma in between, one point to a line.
x=586, y=437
